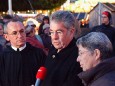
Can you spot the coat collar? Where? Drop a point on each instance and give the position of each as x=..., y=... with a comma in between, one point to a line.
x=64, y=52
x=101, y=69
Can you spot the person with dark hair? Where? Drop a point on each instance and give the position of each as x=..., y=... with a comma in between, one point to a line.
x=7, y=18
x=62, y=68
x=45, y=21
x=95, y=58
x=106, y=28
x=20, y=61
x=45, y=37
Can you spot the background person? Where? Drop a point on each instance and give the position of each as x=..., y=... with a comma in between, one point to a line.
x=46, y=39
x=44, y=21
x=106, y=28
x=7, y=18
x=95, y=51
x=31, y=38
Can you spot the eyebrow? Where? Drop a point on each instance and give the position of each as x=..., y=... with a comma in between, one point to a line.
x=19, y=30
x=57, y=30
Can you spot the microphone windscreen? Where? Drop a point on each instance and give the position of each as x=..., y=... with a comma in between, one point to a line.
x=41, y=73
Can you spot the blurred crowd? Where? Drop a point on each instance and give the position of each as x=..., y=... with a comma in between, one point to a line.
x=71, y=56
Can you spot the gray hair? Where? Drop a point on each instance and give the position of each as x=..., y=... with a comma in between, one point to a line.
x=64, y=16
x=5, y=25
x=96, y=40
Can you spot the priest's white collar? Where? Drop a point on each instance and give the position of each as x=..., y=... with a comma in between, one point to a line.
x=20, y=49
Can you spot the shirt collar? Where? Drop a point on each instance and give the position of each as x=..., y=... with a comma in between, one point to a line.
x=20, y=49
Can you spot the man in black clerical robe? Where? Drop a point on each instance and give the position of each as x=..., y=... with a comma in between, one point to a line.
x=19, y=62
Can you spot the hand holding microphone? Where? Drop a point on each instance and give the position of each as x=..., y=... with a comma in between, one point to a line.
x=40, y=75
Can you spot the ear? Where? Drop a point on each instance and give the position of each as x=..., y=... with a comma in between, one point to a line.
x=72, y=31
x=97, y=54
x=6, y=37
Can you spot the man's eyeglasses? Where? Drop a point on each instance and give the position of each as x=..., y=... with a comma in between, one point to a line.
x=81, y=53
x=15, y=33
x=59, y=32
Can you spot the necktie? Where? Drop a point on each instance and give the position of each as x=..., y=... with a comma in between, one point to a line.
x=18, y=49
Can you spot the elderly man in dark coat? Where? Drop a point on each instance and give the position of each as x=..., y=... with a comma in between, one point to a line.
x=61, y=61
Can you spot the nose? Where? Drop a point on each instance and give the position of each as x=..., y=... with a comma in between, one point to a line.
x=78, y=59
x=19, y=34
x=55, y=36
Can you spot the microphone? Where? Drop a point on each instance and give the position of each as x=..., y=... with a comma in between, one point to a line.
x=40, y=75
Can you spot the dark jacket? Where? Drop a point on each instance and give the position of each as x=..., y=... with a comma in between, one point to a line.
x=101, y=75
x=62, y=67
x=109, y=31
x=19, y=68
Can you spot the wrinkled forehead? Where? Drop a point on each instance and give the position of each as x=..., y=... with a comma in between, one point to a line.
x=54, y=26
x=15, y=25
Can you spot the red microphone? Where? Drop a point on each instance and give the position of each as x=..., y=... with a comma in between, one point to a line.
x=40, y=75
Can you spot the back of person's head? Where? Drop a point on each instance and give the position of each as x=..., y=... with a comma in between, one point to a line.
x=7, y=18
x=97, y=40
x=64, y=16
x=20, y=18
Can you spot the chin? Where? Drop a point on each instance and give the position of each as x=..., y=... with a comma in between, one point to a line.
x=22, y=44
x=84, y=69
x=57, y=47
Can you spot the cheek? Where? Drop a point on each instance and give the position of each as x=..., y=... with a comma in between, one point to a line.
x=24, y=36
x=63, y=40
x=66, y=41
x=89, y=62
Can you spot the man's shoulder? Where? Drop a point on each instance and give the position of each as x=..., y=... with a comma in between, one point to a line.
x=113, y=28
x=96, y=27
x=33, y=48
x=7, y=48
